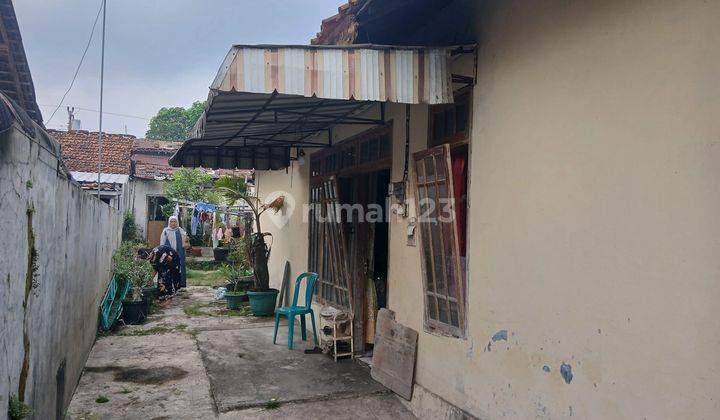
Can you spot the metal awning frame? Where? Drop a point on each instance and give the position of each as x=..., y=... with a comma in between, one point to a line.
x=309, y=121
x=267, y=100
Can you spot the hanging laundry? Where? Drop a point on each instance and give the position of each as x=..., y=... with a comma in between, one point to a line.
x=194, y=222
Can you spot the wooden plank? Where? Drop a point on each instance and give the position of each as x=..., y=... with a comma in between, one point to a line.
x=154, y=229
x=393, y=363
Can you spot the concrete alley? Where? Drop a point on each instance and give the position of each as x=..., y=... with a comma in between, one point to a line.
x=193, y=360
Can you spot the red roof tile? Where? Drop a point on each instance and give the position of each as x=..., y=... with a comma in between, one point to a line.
x=80, y=151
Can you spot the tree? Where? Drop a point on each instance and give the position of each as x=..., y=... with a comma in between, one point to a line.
x=234, y=189
x=174, y=123
x=188, y=184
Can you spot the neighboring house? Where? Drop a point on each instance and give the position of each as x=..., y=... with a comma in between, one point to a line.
x=149, y=170
x=80, y=154
x=574, y=153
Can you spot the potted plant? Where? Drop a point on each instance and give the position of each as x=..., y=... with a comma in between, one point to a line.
x=236, y=289
x=127, y=268
x=262, y=297
x=239, y=276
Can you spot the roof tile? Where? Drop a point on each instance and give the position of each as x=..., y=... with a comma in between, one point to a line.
x=80, y=151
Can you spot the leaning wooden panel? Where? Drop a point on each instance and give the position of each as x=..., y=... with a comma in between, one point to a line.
x=394, y=354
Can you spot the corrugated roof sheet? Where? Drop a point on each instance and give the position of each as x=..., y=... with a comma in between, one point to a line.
x=409, y=75
x=104, y=178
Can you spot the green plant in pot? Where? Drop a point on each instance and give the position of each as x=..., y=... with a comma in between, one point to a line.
x=238, y=273
x=128, y=268
x=262, y=297
x=240, y=280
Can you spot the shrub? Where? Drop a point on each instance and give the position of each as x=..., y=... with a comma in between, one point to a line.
x=17, y=409
x=128, y=268
x=129, y=229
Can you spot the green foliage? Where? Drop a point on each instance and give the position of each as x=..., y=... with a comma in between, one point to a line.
x=273, y=404
x=101, y=399
x=17, y=409
x=233, y=188
x=202, y=265
x=233, y=274
x=175, y=123
x=194, y=112
x=186, y=184
x=205, y=278
x=196, y=240
x=129, y=229
x=127, y=267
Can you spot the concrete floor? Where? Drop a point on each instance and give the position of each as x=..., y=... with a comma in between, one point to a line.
x=195, y=360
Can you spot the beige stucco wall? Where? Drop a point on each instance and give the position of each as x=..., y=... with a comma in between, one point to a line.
x=593, y=232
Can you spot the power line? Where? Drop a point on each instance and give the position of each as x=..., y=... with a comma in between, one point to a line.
x=104, y=112
x=77, y=70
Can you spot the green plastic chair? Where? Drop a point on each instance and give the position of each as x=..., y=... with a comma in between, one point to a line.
x=291, y=311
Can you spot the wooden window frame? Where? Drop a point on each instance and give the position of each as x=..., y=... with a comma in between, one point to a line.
x=449, y=233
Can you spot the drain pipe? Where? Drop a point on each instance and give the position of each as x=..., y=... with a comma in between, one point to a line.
x=407, y=142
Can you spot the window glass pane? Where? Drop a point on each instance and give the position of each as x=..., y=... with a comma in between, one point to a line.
x=420, y=171
x=446, y=227
x=432, y=307
x=442, y=311
x=440, y=168
x=429, y=169
x=454, y=315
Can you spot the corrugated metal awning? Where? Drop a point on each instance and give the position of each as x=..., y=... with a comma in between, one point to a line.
x=268, y=99
x=410, y=75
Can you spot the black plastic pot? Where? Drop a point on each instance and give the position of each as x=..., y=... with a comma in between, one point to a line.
x=134, y=312
x=150, y=292
x=220, y=254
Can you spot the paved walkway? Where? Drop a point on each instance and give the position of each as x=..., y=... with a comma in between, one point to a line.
x=196, y=360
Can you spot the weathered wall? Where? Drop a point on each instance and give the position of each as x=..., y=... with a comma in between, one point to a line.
x=593, y=228
x=57, y=243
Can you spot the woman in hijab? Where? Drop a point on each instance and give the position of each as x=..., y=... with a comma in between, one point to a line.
x=176, y=238
x=166, y=263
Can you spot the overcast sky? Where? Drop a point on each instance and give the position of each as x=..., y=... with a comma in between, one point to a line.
x=158, y=52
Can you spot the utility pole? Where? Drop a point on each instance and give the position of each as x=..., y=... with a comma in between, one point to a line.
x=102, y=85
